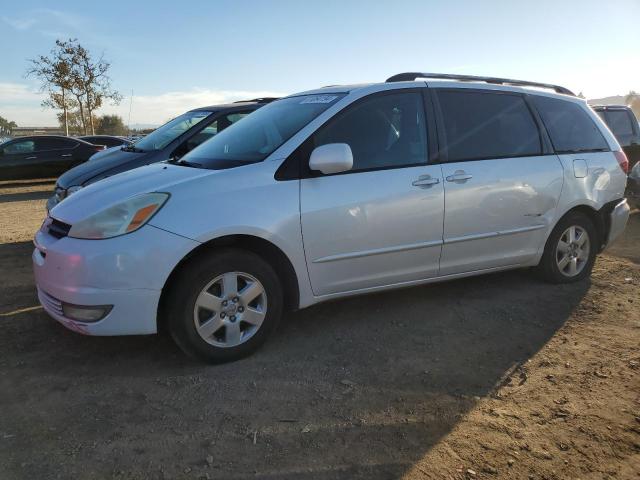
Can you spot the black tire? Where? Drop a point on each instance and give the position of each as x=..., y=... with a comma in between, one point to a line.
x=548, y=268
x=194, y=277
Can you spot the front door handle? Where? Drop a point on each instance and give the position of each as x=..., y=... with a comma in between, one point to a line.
x=459, y=176
x=425, y=181
x=66, y=155
x=31, y=158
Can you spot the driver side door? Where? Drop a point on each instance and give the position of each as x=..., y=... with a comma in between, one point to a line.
x=381, y=222
x=19, y=159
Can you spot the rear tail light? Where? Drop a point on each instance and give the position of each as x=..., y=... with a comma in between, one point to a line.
x=623, y=161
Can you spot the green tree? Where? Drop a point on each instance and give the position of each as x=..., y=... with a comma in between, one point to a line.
x=111, y=125
x=6, y=126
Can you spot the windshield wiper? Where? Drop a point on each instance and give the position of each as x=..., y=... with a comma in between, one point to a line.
x=187, y=163
x=132, y=148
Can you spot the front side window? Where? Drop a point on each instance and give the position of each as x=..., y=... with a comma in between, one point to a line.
x=167, y=133
x=383, y=131
x=483, y=125
x=260, y=133
x=570, y=127
x=23, y=146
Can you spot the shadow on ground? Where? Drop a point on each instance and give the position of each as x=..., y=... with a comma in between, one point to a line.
x=358, y=388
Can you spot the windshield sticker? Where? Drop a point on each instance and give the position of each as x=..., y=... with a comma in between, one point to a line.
x=320, y=99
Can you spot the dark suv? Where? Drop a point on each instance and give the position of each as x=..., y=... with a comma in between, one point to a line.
x=170, y=141
x=624, y=126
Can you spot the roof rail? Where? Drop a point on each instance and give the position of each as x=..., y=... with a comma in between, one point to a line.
x=259, y=100
x=411, y=76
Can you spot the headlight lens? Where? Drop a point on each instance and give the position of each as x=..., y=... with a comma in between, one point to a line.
x=72, y=190
x=120, y=219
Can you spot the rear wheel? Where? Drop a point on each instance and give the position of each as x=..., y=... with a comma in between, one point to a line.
x=570, y=251
x=223, y=306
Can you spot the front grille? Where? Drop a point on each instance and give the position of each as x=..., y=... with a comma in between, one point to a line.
x=50, y=303
x=58, y=229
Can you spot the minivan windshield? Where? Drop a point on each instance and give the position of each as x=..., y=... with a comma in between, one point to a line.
x=258, y=135
x=167, y=133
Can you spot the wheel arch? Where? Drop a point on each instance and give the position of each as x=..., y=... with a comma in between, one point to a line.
x=267, y=250
x=600, y=218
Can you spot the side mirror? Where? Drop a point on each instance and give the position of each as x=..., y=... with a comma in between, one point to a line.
x=332, y=158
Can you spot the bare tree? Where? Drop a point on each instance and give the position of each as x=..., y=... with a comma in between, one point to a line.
x=55, y=74
x=74, y=79
x=90, y=78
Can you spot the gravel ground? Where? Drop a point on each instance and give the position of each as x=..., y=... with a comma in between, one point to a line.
x=499, y=376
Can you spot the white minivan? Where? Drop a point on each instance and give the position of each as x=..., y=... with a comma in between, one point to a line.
x=335, y=192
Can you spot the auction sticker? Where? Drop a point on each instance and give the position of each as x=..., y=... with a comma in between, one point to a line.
x=319, y=99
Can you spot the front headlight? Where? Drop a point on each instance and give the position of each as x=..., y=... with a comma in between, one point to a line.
x=120, y=219
x=72, y=190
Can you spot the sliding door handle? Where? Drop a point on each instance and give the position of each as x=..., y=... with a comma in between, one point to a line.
x=459, y=176
x=67, y=155
x=31, y=158
x=425, y=181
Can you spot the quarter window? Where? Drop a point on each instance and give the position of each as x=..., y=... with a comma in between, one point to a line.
x=383, y=131
x=570, y=127
x=479, y=125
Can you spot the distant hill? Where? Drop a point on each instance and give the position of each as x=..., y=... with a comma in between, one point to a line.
x=615, y=100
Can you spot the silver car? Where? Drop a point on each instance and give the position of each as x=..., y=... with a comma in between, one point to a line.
x=334, y=192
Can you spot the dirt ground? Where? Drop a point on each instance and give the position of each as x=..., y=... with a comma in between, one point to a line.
x=499, y=376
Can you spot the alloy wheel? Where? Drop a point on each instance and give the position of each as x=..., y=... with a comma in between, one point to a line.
x=230, y=309
x=572, y=251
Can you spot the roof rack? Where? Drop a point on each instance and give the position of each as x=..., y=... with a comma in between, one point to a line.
x=259, y=100
x=411, y=76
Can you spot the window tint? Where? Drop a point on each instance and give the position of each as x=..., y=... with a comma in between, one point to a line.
x=45, y=143
x=487, y=125
x=383, y=131
x=570, y=127
x=24, y=146
x=619, y=122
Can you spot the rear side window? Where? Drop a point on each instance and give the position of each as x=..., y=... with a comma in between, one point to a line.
x=570, y=127
x=45, y=143
x=480, y=125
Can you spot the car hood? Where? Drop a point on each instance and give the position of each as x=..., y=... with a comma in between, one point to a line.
x=158, y=177
x=98, y=165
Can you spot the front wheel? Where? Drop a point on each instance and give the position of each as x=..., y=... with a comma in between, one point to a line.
x=570, y=252
x=223, y=306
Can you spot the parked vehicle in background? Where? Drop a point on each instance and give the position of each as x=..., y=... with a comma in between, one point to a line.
x=335, y=192
x=170, y=141
x=43, y=156
x=624, y=125
x=633, y=187
x=108, y=141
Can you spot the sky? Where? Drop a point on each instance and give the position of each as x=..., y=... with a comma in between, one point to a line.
x=175, y=56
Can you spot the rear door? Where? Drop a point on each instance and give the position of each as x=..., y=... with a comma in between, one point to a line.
x=381, y=222
x=56, y=155
x=501, y=181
